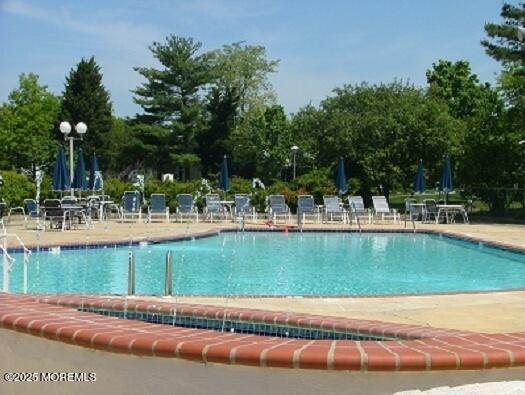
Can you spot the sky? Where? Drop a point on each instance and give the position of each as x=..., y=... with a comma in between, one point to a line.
x=320, y=44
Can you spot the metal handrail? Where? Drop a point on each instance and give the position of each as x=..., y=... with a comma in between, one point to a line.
x=411, y=220
x=9, y=261
x=357, y=220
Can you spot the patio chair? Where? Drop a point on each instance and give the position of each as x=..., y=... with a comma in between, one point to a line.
x=333, y=209
x=357, y=209
x=29, y=208
x=19, y=209
x=306, y=206
x=430, y=210
x=158, y=207
x=69, y=201
x=93, y=209
x=277, y=207
x=382, y=209
x=55, y=214
x=108, y=206
x=244, y=207
x=186, y=207
x=412, y=213
x=131, y=206
x=31, y=211
x=214, y=207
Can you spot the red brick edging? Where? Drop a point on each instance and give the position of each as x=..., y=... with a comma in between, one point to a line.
x=423, y=348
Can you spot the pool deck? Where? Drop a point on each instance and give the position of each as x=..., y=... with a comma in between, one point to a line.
x=487, y=312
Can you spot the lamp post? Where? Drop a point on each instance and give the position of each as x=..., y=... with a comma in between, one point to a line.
x=294, y=150
x=81, y=129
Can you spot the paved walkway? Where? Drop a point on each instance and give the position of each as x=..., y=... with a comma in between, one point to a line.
x=484, y=312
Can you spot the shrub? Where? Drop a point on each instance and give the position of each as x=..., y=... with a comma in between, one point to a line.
x=16, y=188
x=115, y=188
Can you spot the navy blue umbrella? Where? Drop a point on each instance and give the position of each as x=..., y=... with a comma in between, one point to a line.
x=419, y=181
x=79, y=179
x=224, y=180
x=61, y=172
x=95, y=175
x=446, y=184
x=340, y=181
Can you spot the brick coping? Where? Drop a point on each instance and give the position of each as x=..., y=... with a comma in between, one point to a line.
x=423, y=348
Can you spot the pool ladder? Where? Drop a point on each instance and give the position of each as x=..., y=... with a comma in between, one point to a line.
x=8, y=260
x=413, y=223
x=168, y=274
x=357, y=220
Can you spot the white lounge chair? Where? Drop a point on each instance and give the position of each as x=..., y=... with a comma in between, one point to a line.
x=277, y=207
x=358, y=210
x=383, y=210
x=214, y=208
x=244, y=207
x=306, y=207
x=333, y=209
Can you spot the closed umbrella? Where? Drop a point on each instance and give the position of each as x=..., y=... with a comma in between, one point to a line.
x=79, y=179
x=446, y=184
x=224, y=180
x=95, y=175
x=340, y=181
x=61, y=173
x=419, y=181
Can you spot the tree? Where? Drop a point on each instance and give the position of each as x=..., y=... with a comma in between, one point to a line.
x=487, y=157
x=508, y=45
x=171, y=97
x=457, y=86
x=214, y=140
x=382, y=131
x=262, y=147
x=85, y=99
x=26, y=125
x=244, y=69
x=240, y=91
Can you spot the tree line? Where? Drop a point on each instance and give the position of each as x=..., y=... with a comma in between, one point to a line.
x=198, y=106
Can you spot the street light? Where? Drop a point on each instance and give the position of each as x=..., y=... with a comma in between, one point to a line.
x=294, y=150
x=521, y=142
x=81, y=129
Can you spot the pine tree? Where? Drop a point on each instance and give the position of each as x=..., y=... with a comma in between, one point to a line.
x=508, y=46
x=170, y=97
x=85, y=99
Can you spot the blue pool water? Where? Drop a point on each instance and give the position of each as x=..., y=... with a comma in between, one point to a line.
x=282, y=264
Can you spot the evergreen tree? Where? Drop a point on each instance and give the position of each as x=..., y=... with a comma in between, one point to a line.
x=508, y=45
x=170, y=97
x=213, y=141
x=85, y=99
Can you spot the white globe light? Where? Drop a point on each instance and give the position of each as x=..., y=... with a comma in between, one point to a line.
x=81, y=128
x=65, y=127
x=295, y=148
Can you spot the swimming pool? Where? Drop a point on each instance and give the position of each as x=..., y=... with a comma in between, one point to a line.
x=263, y=263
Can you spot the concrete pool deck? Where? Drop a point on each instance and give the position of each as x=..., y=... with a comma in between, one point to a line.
x=488, y=312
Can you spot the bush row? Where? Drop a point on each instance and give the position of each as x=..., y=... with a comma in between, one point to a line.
x=17, y=187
